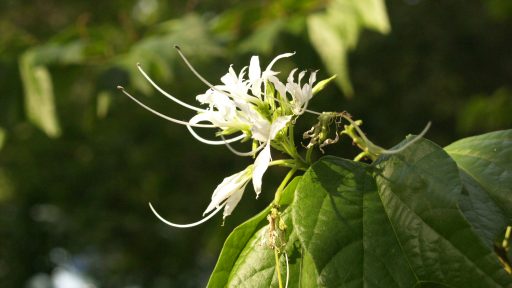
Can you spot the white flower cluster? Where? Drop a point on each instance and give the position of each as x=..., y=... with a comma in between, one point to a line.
x=252, y=104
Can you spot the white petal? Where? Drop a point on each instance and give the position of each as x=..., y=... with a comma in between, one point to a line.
x=228, y=187
x=277, y=125
x=301, y=75
x=312, y=78
x=291, y=77
x=280, y=87
x=261, y=129
x=232, y=201
x=254, y=69
x=260, y=166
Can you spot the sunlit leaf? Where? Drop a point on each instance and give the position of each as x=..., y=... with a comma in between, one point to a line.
x=331, y=48
x=372, y=13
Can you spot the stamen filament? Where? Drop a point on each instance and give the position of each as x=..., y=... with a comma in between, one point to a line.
x=378, y=149
x=197, y=73
x=269, y=66
x=238, y=153
x=162, y=115
x=186, y=225
x=167, y=94
x=312, y=112
x=214, y=142
x=398, y=150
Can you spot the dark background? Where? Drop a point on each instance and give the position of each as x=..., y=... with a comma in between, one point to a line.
x=75, y=202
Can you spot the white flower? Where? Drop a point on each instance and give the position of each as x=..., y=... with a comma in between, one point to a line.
x=241, y=105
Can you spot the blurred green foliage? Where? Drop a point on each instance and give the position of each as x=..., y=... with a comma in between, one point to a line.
x=77, y=200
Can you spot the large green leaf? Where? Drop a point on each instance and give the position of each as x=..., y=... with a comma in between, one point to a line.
x=341, y=222
x=245, y=260
x=485, y=164
x=392, y=224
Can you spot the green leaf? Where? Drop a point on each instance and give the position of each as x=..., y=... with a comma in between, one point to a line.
x=335, y=32
x=331, y=48
x=103, y=103
x=392, y=224
x=2, y=137
x=420, y=189
x=321, y=85
x=6, y=186
x=156, y=53
x=39, y=98
x=372, y=13
x=485, y=164
x=37, y=81
x=341, y=223
x=246, y=261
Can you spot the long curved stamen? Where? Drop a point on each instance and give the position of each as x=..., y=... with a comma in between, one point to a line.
x=269, y=66
x=162, y=115
x=418, y=137
x=197, y=73
x=381, y=150
x=243, y=154
x=186, y=225
x=312, y=112
x=167, y=94
x=214, y=142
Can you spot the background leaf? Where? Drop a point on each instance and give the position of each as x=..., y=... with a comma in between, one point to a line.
x=39, y=98
x=336, y=32
x=3, y=136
